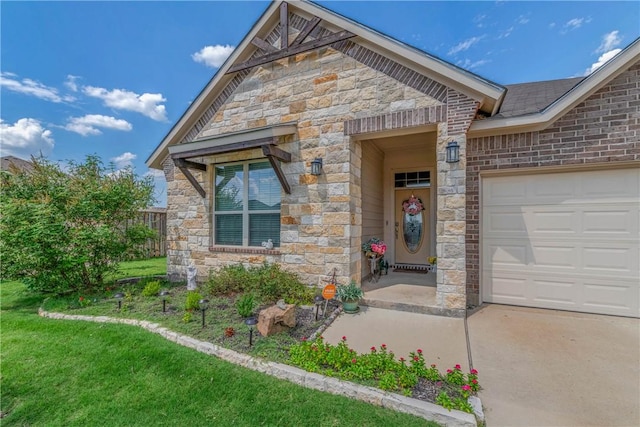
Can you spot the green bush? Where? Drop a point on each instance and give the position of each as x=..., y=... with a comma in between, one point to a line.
x=268, y=283
x=151, y=289
x=64, y=230
x=246, y=304
x=193, y=301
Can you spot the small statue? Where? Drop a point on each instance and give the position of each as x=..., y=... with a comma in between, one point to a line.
x=192, y=271
x=268, y=244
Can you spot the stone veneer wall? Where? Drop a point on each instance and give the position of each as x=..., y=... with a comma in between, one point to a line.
x=321, y=218
x=603, y=128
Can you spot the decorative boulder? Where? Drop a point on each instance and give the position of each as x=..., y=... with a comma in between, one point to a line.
x=275, y=319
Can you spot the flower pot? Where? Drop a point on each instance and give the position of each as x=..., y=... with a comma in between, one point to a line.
x=350, y=306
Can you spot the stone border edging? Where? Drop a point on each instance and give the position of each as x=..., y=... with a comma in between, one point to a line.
x=420, y=408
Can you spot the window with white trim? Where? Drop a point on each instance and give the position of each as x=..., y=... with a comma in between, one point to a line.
x=247, y=204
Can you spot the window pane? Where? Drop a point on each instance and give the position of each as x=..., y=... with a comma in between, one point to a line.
x=264, y=187
x=229, y=188
x=263, y=227
x=228, y=229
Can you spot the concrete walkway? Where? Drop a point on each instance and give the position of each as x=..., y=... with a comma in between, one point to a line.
x=555, y=368
x=442, y=339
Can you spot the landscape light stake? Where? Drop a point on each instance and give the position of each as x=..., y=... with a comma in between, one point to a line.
x=119, y=297
x=251, y=322
x=204, y=304
x=164, y=295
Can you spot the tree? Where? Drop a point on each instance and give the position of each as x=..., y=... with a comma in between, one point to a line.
x=64, y=230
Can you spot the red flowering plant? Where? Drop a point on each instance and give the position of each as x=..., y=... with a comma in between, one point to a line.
x=412, y=206
x=380, y=365
x=374, y=247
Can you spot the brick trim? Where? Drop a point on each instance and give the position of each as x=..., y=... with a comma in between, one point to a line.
x=396, y=120
x=243, y=250
x=461, y=110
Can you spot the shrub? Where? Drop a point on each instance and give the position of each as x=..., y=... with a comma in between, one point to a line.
x=151, y=289
x=64, y=230
x=268, y=283
x=246, y=304
x=193, y=301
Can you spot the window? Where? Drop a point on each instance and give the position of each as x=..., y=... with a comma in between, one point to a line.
x=412, y=179
x=246, y=205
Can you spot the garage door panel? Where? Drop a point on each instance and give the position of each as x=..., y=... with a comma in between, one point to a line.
x=572, y=243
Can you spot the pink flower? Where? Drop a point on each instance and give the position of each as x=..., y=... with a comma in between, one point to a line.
x=433, y=365
x=402, y=359
x=383, y=346
x=416, y=358
x=353, y=360
x=304, y=338
x=344, y=338
x=373, y=349
x=457, y=367
x=466, y=387
x=474, y=372
x=474, y=381
x=449, y=371
x=81, y=299
x=419, y=351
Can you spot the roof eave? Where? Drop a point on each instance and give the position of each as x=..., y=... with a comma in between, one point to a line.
x=539, y=121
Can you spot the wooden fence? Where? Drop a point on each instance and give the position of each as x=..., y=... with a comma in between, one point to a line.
x=156, y=219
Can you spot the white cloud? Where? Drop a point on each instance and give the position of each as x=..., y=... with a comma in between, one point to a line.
x=462, y=46
x=155, y=173
x=89, y=124
x=124, y=160
x=31, y=87
x=602, y=60
x=70, y=83
x=609, y=42
x=213, y=56
x=470, y=65
x=522, y=19
x=574, y=24
x=506, y=33
x=148, y=104
x=24, y=138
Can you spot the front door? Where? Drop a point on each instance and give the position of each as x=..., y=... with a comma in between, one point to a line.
x=412, y=226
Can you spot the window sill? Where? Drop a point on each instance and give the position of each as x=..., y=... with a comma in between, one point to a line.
x=244, y=250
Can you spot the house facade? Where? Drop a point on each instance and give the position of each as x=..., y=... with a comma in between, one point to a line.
x=302, y=148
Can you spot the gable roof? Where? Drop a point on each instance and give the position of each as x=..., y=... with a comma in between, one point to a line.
x=532, y=115
x=487, y=93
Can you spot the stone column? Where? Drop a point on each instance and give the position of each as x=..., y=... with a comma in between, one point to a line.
x=451, y=225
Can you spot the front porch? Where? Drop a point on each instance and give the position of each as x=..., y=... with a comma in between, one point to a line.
x=405, y=291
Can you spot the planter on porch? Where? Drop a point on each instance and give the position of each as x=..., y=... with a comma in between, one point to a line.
x=350, y=296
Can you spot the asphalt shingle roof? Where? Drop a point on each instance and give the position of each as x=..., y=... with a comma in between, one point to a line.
x=527, y=98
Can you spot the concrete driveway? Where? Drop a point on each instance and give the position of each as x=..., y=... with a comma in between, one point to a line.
x=554, y=368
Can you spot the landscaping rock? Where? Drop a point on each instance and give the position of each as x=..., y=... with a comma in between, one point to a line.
x=274, y=319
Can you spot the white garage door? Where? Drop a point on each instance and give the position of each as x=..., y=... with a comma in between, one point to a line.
x=566, y=241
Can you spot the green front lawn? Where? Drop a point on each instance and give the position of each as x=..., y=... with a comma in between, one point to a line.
x=69, y=373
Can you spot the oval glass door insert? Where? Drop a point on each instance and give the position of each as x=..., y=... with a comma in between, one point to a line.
x=413, y=231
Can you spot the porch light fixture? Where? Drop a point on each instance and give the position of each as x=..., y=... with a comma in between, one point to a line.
x=164, y=295
x=316, y=166
x=203, y=304
x=251, y=322
x=119, y=296
x=453, y=152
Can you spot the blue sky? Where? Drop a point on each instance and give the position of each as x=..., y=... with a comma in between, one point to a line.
x=111, y=78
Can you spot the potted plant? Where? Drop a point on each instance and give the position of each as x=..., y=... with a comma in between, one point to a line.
x=349, y=295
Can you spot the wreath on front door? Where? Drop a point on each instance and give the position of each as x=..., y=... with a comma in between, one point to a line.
x=412, y=206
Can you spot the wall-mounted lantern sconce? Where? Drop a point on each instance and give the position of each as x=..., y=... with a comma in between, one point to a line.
x=316, y=166
x=453, y=152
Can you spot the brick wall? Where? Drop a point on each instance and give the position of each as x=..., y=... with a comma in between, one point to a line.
x=603, y=128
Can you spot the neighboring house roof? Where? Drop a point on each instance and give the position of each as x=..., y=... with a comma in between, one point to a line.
x=487, y=93
x=527, y=98
x=527, y=118
x=9, y=163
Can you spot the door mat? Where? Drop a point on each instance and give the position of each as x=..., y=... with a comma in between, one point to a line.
x=412, y=269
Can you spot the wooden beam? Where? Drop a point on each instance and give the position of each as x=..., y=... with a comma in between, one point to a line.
x=293, y=50
x=227, y=148
x=258, y=42
x=284, y=25
x=275, y=164
x=191, y=165
x=272, y=150
x=194, y=182
x=311, y=25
